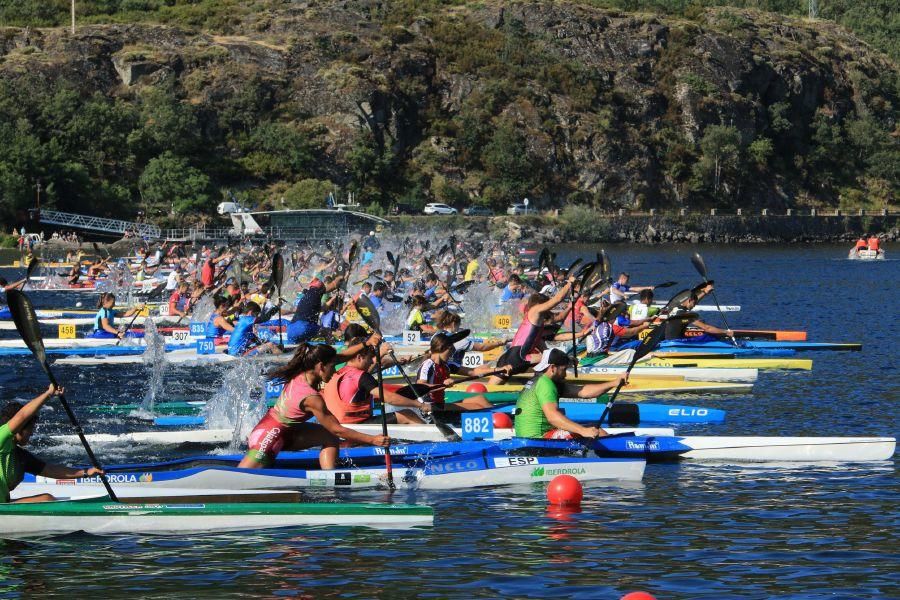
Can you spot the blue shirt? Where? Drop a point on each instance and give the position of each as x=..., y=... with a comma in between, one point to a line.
x=508, y=295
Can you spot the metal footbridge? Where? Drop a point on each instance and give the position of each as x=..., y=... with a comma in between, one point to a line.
x=64, y=219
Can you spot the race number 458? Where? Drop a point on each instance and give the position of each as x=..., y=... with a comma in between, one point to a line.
x=477, y=426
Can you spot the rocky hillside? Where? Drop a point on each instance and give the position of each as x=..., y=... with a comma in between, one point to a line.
x=480, y=102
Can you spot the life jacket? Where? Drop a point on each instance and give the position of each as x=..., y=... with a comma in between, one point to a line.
x=860, y=243
x=439, y=374
x=287, y=409
x=873, y=243
x=242, y=336
x=344, y=409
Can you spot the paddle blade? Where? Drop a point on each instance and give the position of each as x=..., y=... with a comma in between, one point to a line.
x=353, y=254
x=542, y=258
x=417, y=390
x=607, y=266
x=27, y=324
x=586, y=272
x=31, y=267
x=459, y=336
x=698, y=263
x=369, y=313
x=277, y=270
x=676, y=300
x=664, y=284
x=390, y=258
x=572, y=267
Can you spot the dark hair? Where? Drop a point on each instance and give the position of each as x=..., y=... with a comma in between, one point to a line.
x=3, y=281
x=646, y=294
x=252, y=308
x=440, y=342
x=11, y=409
x=354, y=330
x=534, y=300
x=379, y=286
x=305, y=358
x=514, y=278
x=447, y=318
x=104, y=297
x=366, y=349
x=220, y=301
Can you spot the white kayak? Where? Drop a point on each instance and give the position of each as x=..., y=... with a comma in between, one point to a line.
x=224, y=436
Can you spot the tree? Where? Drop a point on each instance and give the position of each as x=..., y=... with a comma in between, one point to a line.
x=510, y=169
x=720, y=157
x=308, y=193
x=170, y=180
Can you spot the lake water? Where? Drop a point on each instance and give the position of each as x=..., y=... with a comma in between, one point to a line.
x=686, y=531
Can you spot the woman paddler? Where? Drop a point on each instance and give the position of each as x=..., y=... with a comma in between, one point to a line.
x=218, y=325
x=349, y=394
x=437, y=368
x=529, y=338
x=16, y=426
x=285, y=426
x=104, y=321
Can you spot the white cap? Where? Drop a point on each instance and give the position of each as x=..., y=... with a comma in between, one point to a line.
x=371, y=233
x=553, y=356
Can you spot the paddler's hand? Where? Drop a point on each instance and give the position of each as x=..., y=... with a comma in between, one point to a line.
x=374, y=339
x=448, y=381
x=381, y=440
x=507, y=369
x=91, y=472
x=53, y=390
x=729, y=333
x=591, y=432
x=425, y=408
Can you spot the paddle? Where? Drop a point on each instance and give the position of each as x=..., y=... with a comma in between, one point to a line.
x=449, y=295
x=416, y=390
x=367, y=311
x=664, y=284
x=31, y=267
x=370, y=315
x=676, y=300
x=698, y=263
x=569, y=273
x=277, y=280
x=27, y=324
x=133, y=319
x=646, y=346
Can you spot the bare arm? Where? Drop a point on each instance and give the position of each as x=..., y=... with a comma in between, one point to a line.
x=27, y=412
x=593, y=390
x=560, y=421
x=556, y=299
x=316, y=406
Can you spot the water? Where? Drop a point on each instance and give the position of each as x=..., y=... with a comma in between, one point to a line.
x=686, y=531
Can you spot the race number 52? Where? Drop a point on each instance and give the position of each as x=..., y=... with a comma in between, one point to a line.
x=410, y=336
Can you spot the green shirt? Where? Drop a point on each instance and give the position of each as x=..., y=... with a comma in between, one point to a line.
x=530, y=419
x=10, y=468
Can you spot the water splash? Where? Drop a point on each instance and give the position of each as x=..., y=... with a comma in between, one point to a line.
x=203, y=309
x=154, y=357
x=239, y=403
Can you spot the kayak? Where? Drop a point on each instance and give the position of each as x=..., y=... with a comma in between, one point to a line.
x=96, y=351
x=596, y=373
x=759, y=345
x=490, y=467
x=749, y=448
x=224, y=436
x=763, y=334
x=105, y=517
x=802, y=364
x=638, y=386
x=744, y=351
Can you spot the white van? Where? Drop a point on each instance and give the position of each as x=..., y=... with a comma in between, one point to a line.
x=226, y=208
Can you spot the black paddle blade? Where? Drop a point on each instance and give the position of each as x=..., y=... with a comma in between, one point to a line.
x=27, y=324
x=613, y=311
x=353, y=254
x=676, y=300
x=464, y=286
x=650, y=342
x=698, y=263
x=31, y=267
x=390, y=258
x=458, y=335
x=607, y=267
x=586, y=272
x=369, y=313
x=542, y=258
x=427, y=245
x=572, y=267
x=665, y=284
x=277, y=270
x=417, y=390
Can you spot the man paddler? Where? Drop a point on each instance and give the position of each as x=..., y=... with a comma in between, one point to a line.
x=537, y=412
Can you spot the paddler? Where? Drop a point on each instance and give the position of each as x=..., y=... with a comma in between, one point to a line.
x=244, y=340
x=449, y=323
x=675, y=328
x=285, y=426
x=218, y=325
x=350, y=393
x=873, y=243
x=17, y=424
x=537, y=409
x=529, y=337
x=617, y=291
x=305, y=322
x=437, y=368
x=104, y=321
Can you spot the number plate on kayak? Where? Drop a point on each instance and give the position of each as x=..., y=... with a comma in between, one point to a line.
x=198, y=329
x=477, y=426
x=66, y=331
x=502, y=322
x=206, y=347
x=473, y=359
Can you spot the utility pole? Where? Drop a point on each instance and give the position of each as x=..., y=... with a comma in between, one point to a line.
x=73, y=17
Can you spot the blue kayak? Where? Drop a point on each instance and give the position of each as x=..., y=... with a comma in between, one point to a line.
x=91, y=351
x=758, y=345
x=745, y=349
x=581, y=412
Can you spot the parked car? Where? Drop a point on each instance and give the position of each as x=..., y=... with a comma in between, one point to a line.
x=478, y=211
x=436, y=208
x=519, y=209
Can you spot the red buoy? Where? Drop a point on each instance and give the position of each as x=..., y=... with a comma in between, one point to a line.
x=638, y=596
x=477, y=388
x=564, y=489
x=502, y=420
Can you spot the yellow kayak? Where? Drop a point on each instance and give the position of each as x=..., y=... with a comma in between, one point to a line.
x=646, y=385
x=801, y=364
